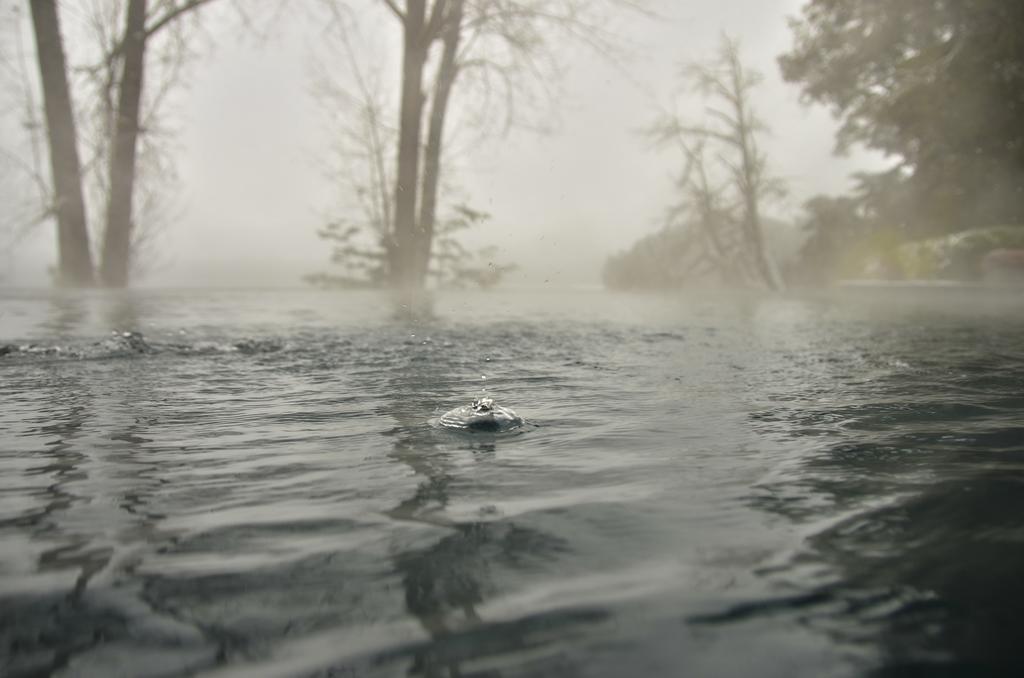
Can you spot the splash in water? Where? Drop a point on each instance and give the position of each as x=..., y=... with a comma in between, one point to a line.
x=483, y=414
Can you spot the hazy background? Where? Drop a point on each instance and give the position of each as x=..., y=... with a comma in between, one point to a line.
x=251, y=140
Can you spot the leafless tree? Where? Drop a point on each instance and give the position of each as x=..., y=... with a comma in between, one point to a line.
x=119, y=79
x=362, y=159
x=359, y=158
x=27, y=194
x=74, y=256
x=731, y=129
x=502, y=50
x=125, y=166
x=704, y=204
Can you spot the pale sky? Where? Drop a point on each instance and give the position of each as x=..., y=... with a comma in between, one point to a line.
x=252, y=139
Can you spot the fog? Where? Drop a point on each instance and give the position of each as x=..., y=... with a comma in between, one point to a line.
x=250, y=140
x=511, y=338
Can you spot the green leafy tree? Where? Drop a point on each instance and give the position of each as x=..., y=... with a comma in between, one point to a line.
x=854, y=235
x=938, y=85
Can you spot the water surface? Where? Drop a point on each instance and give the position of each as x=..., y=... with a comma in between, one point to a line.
x=820, y=486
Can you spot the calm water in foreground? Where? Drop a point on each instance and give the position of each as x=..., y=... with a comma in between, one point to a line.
x=825, y=486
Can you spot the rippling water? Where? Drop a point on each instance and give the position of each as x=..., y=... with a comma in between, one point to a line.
x=826, y=486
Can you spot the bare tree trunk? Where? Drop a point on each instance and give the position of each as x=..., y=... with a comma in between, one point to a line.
x=75, y=260
x=752, y=212
x=379, y=173
x=416, y=46
x=117, y=240
x=447, y=72
x=709, y=217
x=751, y=179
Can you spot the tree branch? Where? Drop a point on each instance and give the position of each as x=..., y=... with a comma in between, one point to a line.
x=704, y=132
x=436, y=20
x=394, y=8
x=171, y=15
x=158, y=25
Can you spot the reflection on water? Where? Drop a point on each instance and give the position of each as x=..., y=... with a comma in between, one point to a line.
x=919, y=461
x=446, y=582
x=831, y=484
x=67, y=313
x=122, y=313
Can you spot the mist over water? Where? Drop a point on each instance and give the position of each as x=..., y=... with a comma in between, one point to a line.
x=501, y=338
x=249, y=142
x=739, y=485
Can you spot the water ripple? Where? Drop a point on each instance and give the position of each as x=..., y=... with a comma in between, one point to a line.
x=240, y=483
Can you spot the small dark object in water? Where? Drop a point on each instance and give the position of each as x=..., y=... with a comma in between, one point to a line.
x=482, y=415
x=7, y=348
x=136, y=342
x=251, y=346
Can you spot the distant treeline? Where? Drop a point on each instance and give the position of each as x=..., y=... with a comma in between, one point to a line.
x=107, y=169
x=673, y=258
x=714, y=231
x=938, y=86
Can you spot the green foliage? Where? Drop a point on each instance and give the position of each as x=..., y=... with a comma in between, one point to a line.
x=850, y=237
x=958, y=255
x=939, y=84
x=855, y=235
x=836, y=231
